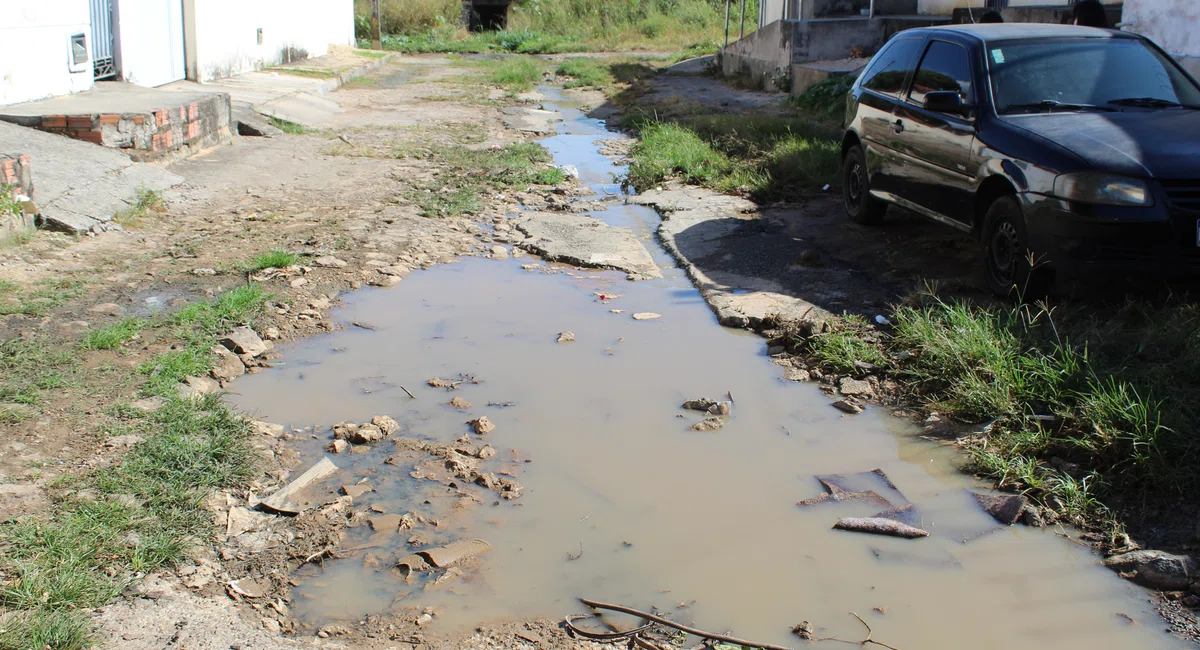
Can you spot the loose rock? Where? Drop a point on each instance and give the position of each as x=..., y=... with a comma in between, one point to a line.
x=485, y=452
x=708, y=424
x=107, y=308
x=244, y=340
x=1155, y=569
x=337, y=446
x=482, y=425
x=1004, y=508
x=566, y=337
x=227, y=366
x=646, y=315
x=386, y=424
x=853, y=387
x=460, y=403
x=720, y=408
x=699, y=404
x=846, y=406
x=330, y=262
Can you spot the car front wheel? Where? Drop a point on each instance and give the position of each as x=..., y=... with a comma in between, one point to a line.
x=1010, y=265
x=861, y=207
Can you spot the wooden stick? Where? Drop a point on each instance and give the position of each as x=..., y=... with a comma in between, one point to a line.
x=407, y=391
x=690, y=630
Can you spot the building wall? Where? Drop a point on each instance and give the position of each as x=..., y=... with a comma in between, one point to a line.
x=946, y=7
x=35, y=49
x=222, y=36
x=1173, y=24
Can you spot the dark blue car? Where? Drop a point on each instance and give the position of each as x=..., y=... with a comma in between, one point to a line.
x=1062, y=149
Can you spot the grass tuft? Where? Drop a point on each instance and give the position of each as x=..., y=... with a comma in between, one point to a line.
x=472, y=171
x=584, y=72
x=115, y=335
x=290, y=128
x=148, y=203
x=274, y=259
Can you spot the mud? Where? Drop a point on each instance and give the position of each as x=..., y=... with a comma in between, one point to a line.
x=619, y=499
x=622, y=502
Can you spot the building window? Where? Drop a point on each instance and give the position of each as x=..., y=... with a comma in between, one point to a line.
x=79, y=53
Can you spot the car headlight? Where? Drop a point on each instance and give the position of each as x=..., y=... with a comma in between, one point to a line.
x=1105, y=189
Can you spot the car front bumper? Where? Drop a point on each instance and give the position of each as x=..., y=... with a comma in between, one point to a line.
x=1155, y=240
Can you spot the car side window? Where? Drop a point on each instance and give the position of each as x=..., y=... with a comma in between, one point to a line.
x=892, y=66
x=945, y=66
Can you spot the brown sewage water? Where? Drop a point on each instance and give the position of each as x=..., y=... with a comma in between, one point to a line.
x=663, y=515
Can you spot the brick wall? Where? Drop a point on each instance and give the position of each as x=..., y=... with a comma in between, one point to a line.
x=17, y=172
x=153, y=133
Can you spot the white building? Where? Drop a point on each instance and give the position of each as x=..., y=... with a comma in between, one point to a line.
x=1173, y=24
x=56, y=47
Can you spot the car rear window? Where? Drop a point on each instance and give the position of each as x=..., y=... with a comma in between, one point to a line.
x=1083, y=71
x=892, y=66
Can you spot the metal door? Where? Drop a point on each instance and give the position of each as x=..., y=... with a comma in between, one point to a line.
x=103, y=61
x=150, y=41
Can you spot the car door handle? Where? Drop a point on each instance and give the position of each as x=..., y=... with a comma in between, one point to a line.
x=898, y=126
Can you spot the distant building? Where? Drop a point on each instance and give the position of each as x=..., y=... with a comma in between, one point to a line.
x=1173, y=24
x=56, y=47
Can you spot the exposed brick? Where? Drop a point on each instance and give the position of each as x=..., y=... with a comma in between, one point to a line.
x=183, y=114
x=54, y=121
x=110, y=119
x=168, y=140
x=193, y=111
x=79, y=122
x=161, y=118
x=193, y=130
x=139, y=119
x=88, y=136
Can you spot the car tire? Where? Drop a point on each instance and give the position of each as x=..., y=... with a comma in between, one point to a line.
x=861, y=207
x=1006, y=253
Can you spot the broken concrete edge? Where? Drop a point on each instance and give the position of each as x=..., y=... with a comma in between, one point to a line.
x=710, y=290
x=333, y=83
x=280, y=501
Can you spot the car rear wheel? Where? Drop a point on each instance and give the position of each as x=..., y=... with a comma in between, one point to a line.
x=861, y=207
x=1006, y=252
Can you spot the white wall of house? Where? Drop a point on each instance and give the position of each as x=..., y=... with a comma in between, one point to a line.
x=35, y=49
x=149, y=41
x=223, y=40
x=1173, y=24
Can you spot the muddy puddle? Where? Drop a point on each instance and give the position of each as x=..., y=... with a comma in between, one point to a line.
x=622, y=501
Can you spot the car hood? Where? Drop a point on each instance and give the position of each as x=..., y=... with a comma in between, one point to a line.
x=1161, y=144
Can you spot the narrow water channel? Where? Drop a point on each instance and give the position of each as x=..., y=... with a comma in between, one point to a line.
x=623, y=502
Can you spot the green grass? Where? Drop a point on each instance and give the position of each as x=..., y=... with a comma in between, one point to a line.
x=290, y=128
x=115, y=335
x=308, y=73
x=199, y=324
x=40, y=629
x=766, y=157
x=274, y=259
x=148, y=203
x=826, y=99
x=371, y=54
x=472, y=171
x=149, y=514
x=584, y=72
x=555, y=26
x=1089, y=411
x=39, y=301
x=515, y=73
x=31, y=367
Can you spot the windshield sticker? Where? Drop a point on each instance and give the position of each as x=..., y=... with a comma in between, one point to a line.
x=998, y=55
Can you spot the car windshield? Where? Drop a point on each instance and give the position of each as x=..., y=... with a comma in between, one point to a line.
x=1085, y=74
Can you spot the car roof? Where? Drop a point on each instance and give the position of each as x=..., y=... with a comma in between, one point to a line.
x=988, y=32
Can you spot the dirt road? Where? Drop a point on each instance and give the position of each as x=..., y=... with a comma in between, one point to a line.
x=526, y=401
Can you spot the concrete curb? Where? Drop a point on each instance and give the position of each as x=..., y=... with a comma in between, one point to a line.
x=332, y=84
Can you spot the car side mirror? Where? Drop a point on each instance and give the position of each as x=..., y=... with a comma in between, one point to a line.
x=946, y=101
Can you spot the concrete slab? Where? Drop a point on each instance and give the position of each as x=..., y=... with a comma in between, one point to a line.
x=586, y=241
x=302, y=108
x=533, y=121
x=78, y=186
x=148, y=123
x=700, y=65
